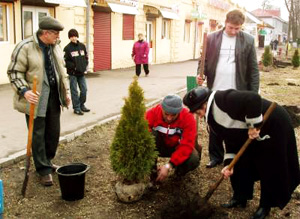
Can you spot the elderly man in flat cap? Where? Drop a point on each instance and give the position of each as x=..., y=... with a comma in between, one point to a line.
x=41, y=56
x=174, y=129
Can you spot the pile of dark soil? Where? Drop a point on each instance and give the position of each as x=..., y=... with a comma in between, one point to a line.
x=294, y=112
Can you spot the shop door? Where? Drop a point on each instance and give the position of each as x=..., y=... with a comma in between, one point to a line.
x=150, y=36
x=102, y=41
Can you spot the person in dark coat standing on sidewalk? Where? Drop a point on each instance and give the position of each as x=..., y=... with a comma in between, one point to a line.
x=271, y=157
x=77, y=60
x=139, y=54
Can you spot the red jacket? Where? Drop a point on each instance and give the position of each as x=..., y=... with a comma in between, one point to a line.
x=140, y=52
x=185, y=122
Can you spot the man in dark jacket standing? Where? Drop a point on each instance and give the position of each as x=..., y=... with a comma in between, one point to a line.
x=76, y=59
x=230, y=63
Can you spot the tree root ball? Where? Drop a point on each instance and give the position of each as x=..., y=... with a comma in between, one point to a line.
x=129, y=193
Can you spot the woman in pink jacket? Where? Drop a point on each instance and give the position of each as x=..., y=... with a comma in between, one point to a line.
x=139, y=54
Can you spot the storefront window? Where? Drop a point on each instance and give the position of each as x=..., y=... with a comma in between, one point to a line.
x=31, y=19
x=3, y=23
x=200, y=32
x=187, y=30
x=165, y=32
x=28, y=24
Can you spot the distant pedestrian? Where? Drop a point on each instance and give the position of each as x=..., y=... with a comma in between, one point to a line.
x=139, y=54
x=77, y=60
x=40, y=55
x=275, y=44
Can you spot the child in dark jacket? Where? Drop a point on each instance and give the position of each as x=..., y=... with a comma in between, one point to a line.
x=76, y=59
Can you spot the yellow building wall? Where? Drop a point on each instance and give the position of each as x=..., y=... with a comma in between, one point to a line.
x=7, y=48
x=163, y=46
x=120, y=49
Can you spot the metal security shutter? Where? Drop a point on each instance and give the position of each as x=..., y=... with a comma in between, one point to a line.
x=102, y=41
x=128, y=27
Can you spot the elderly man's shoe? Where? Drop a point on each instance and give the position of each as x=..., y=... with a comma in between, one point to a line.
x=47, y=180
x=261, y=213
x=213, y=164
x=233, y=203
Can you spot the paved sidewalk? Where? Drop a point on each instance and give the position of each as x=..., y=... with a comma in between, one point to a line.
x=106, y=90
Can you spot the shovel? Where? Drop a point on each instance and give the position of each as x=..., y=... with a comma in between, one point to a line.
x=239, y=154
x=29, y=140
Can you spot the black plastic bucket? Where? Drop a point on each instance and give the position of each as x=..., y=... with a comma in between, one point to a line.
x=71, y=180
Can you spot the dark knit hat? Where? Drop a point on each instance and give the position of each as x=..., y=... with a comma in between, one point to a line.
x=50, y=23
x=172, y=104
x=195, y=98
x=72, y=33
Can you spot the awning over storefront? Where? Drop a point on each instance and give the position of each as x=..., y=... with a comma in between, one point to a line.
x=169, y=14
x=123, y=9
x=79, y=3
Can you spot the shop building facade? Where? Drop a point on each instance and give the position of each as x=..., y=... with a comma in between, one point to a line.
x=173, y=28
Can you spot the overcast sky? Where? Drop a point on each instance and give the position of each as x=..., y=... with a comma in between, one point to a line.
x=251, y=5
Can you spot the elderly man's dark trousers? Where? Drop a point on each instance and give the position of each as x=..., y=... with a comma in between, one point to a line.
x=45, y=137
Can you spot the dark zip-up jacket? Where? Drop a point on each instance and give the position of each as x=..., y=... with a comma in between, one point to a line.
x=76, y=58
x=247, y=74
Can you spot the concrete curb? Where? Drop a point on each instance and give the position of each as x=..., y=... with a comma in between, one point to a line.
x=18, y=156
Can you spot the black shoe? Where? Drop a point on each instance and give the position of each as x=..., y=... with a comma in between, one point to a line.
x=84, y=109
x=213, y=164
x=261, y=213
x=78, y=112
x=235, y=203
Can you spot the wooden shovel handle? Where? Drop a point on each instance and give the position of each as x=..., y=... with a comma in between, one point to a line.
x=244, y=147
x=31, y=118
x=240, y=153
x=203, y=55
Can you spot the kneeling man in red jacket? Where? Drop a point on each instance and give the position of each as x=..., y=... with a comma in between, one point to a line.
x=175, y=133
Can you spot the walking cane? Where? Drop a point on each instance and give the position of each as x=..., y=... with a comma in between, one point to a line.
x=29, y=140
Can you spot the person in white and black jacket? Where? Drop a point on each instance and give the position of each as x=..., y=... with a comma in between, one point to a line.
x=76, y=59
x=234, y=115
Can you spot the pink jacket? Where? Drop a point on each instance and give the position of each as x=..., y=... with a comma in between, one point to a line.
x=140, y=52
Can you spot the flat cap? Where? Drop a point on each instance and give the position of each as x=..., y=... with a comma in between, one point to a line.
x=50, y=23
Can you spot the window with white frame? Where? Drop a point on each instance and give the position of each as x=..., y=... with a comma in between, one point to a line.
x=165, y=32
x=3, y=23
x=31, y=17
x=187, y=31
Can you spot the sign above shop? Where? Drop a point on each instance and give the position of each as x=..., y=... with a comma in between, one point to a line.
x=135, y=3
x=198, y=14
x=79, y=3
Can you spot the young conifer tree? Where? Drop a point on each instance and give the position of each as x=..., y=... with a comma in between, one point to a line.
x=295, y=59
x=133, y=151
x=267, y=57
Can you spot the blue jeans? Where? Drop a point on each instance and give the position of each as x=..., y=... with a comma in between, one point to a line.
x=78, y=101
